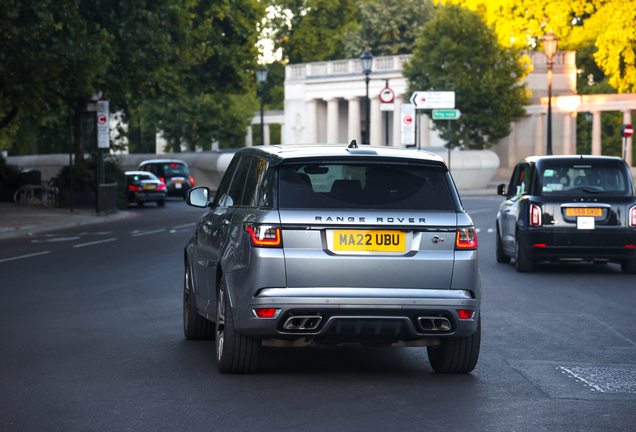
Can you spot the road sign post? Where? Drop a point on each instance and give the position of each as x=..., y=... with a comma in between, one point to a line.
x=407, y=125
x=627, y=131
x=386, y=97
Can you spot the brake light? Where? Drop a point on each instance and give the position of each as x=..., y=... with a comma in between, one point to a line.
x=535, y=215
x=266, y=312
x=466, y=314
x=133, y=188
x=161, y=186
x=163, y=180
x=632, y=217
x=264, y=235
x=173, y=165
x=466, y=239
x=192, y=181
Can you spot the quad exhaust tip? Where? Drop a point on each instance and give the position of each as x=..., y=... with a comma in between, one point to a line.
x=434, y=324
x=302, y=322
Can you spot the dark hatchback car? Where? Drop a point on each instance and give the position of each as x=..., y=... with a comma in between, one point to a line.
x=328, y=245
x=143, y=186
x=568, y=209
x=174, y=173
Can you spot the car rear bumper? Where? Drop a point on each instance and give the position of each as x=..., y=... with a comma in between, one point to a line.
x=147, y=196
x=382, y=316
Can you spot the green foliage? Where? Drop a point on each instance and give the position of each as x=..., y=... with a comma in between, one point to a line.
x=312, y=30
x=388, y=27
x=84, y=178
x=9, y=180
x=457, y=51
x=275, y=89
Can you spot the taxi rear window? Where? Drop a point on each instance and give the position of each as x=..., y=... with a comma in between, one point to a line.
x=363, y=186
x=584, y=177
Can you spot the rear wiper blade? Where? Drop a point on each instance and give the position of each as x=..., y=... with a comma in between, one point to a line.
x=592, y=190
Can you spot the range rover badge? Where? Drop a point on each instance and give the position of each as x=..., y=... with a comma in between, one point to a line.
x=437, y=239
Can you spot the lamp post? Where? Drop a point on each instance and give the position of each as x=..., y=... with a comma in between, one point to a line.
x=589, y=117
x=367, y=62
x=550, y=46
x=261, y=78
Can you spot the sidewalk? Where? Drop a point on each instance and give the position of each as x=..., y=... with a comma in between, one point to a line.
x=18, y=221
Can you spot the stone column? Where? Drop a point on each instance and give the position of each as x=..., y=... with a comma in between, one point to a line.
x=538, y=135
x=425, y=129
x=376, y=122
x=397, y=120
x=249, y=139
x=596, y=133
x=627, y=119
x=353, y=124
x=282, y=133
x=512, y=145
x=312, y=118
x=332, y=121
x=567, y=133
x=266, y=134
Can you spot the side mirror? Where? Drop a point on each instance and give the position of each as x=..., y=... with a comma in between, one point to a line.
x=501, y=189
x=198, y=197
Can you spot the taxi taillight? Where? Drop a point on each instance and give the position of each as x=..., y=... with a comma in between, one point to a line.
x=535, y=215
x=133, y=188
x=192, y=181
x=264, y=235
x=161, y=186
x=632, y=217
x=466, y=239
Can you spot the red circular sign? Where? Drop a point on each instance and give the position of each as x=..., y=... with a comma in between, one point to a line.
x=387, y=95
x=628, y=130
x=408, y=120
x=101, y=119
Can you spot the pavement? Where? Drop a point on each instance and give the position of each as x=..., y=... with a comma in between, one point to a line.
x=21, y=221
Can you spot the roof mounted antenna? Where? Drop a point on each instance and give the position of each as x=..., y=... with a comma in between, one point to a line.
x=353, y=144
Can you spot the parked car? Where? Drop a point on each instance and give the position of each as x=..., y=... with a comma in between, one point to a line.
x=568, y=208
x=174, y=173
x=143, y=187
x=329, y=244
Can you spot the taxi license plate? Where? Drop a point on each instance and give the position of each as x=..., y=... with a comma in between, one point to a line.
x=369, y=240
x=148, y=187
x=177, y=181
x=583, y=211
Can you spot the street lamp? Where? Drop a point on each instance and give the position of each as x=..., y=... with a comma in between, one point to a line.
x=261, y=78
x=550, y=42
x=589, y=117
x=367, y=62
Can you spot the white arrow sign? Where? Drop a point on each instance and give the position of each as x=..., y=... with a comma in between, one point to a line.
x=433, y=100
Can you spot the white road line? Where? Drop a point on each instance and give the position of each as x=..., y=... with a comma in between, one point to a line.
x=491, y=230
x=95, y=242
x=184, y=226
x=25, y=256
x=148, y=232
x=477, y=229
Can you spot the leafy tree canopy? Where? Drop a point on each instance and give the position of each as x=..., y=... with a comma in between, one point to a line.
x=488, y=88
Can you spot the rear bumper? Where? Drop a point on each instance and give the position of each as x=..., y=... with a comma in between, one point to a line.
x=613, y=244
x=146, y=196
x=383, y=316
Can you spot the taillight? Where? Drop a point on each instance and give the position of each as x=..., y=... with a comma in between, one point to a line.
x=161, y=186
x=133, y=188
x=192, y=181
x=466, y=314
x=466, y=239
x=632, y=217
x=264, y=235
x=163, y=180
x=266, y=312
x=535, y=215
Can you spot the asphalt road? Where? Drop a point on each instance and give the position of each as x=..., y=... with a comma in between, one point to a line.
x=91, y=340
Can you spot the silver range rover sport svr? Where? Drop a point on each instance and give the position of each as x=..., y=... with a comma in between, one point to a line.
x=333, y=244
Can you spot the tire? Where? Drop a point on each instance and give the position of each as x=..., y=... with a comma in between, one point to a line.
x=629, y=267
x=140, y=203
x=161, y=203
x=195, y=327
x=523, y=264
x=501, y=256
x=456, y=356
x=235, y=353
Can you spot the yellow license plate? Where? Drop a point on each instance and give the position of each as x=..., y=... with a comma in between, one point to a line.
x=369, y=241
x=147, y=187
x=583, y=211
x=177, y=181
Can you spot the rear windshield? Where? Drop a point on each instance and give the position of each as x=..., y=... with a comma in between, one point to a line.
x=138, y=177
x=173, y=170
x=583, y=177
x=363, y=186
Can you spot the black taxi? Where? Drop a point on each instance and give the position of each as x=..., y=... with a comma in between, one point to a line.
x=568, y=208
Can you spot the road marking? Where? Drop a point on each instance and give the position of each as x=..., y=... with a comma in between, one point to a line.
x=491, y=230
x=477, y=229
x=184, y=226
x=55, y=239
x=95, y=242
x=25, y=256
x=147, y=232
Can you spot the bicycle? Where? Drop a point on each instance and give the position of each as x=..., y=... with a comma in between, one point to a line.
x=45, y=194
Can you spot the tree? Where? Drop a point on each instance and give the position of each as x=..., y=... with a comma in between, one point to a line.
x=457, y=51
x=388, y=27
x=312, y=30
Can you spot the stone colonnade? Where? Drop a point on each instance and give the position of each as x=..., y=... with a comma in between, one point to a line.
x=269, y=118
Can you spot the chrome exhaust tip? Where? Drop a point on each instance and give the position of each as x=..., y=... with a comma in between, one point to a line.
x=434, y=324
x=302, y=322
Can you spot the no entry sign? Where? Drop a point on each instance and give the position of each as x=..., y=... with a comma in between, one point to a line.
x=627, y=131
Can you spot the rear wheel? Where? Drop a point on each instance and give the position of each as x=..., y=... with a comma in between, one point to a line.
x=235, y=353
x=629, y=267
x=456, y=356
x=523, y=264
x=195, y=327
x=501, y=256
x=140, y=203
x=161, y=203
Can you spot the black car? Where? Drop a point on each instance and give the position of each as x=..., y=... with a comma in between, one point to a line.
x=144, y=186
x=568, y=208
x=174, y=173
